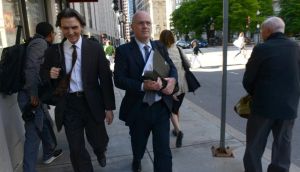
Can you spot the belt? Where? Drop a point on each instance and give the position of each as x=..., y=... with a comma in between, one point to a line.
x=77, y=94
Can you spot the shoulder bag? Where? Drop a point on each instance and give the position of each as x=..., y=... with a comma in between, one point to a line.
x=242, y=107
x=192, y=82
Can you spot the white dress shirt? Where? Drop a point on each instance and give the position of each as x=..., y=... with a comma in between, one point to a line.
x=149, y=64
x=76, y=78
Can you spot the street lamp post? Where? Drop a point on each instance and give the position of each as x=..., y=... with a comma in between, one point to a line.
x=122, y=21
x=114, y=5
x=258, y=33
x=186, y=37
x=115, y=8
x=211, y=31
x=258, y=27
x=177, y=34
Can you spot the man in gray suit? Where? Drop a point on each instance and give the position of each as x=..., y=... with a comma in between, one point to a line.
x=272, y=78
x=35, y=114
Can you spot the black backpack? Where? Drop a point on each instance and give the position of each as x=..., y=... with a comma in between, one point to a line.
x=12, y=77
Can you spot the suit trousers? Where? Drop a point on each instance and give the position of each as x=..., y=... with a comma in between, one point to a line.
x=153, y=118
x=77, y=120
x=257, y=132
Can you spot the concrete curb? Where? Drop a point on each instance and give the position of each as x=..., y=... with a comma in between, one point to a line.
x=232, y=131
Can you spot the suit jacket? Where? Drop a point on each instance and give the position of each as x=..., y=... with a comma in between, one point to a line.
x=272, y=77
x=129, y=65
x=96, y=78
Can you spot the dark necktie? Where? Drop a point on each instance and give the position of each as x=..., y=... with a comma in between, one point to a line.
x=74, y=57
x=147, y=53
x=64, y=84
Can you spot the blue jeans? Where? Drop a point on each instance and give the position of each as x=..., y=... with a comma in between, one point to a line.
x=36, y=130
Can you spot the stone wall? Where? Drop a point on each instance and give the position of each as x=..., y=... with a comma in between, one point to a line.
x=11, y=134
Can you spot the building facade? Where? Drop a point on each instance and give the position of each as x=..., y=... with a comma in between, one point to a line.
x=160, y=12
x=26, y=14
x=100, y=18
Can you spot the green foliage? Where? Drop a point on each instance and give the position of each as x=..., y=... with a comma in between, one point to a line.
x=291, y=15
x=196, y=15
x=239, y=12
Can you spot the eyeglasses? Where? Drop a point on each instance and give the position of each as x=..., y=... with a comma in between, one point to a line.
x=147, y=23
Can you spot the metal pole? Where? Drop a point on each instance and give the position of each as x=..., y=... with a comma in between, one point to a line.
x=222, y=151
x=224, y=76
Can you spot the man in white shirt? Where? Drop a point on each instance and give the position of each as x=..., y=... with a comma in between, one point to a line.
x=83, y=82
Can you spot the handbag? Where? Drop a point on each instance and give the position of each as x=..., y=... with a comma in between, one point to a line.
x=242, y=107
x=160, y=69
x=192, y=82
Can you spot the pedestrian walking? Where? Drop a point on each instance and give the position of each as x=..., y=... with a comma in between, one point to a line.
x=83, y=82
x=272, y=78
x=147, y=105
x=240, y=44
x=110, y=53
x=167, y=38
x=38, y=123
x=196, y=50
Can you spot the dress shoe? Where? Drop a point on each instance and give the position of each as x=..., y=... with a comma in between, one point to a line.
x=102, y=160
x=136, y=166
x=179, y=139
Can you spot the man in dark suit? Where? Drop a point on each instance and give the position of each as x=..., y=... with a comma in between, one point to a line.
x=272, y=78
x=141, y=115
x=82, y=78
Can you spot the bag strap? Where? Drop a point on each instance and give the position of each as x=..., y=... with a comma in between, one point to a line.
x=18, y=35
x=183, y=61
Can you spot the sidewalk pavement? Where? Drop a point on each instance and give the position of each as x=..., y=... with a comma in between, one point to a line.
x=201, y=131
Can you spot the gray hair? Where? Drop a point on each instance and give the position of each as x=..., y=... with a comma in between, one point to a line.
x=136, y=14
x=274, y=24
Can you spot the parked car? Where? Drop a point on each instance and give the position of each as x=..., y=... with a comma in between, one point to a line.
x=202, y=44
x=183, y=44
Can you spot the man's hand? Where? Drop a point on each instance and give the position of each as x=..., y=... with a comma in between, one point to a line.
x=150, y=85
x=54, y=72
x=170, y=86
x=34, y=101
x=109, y=116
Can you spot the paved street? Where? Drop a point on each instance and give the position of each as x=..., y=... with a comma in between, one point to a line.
x=209, y=96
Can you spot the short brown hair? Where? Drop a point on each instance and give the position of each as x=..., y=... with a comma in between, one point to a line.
x=69, y=13
x=167, y=38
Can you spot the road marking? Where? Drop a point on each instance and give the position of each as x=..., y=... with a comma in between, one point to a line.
x=234, y=73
